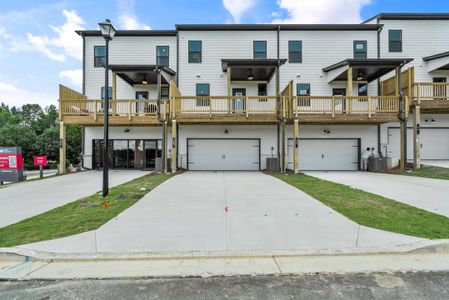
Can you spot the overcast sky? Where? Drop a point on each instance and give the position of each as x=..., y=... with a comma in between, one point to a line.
x=39, y=49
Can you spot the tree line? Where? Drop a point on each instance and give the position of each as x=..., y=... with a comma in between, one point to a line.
x=36, y=130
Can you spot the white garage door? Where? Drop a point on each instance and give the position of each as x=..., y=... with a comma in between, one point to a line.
x=326, y=154
x=434, y=143
x=223, y=154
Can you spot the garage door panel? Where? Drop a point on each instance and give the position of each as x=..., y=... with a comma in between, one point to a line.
x=326, y=154
x=224, y=154
x=434, y=143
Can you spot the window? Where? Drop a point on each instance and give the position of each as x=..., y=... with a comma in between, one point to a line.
x=109, y=93
x=99, y=56
x=203, y=89
x=303, y=89
x=162, y=55
x=260, y=49
x=295, y=51
x=360, y=49
x=164, y=92
x=262, y=91
x=195, y=49
x=395, y=40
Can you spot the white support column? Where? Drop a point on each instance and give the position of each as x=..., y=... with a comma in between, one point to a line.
x=174, y=152
x=62, y=148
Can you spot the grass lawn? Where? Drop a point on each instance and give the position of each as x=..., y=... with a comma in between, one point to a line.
x=429, y=172
x=80, y=216
x=372, y=210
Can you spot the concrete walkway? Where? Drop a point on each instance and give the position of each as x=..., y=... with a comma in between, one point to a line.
x=26, y=199
x=428, y=194
x=225, y=211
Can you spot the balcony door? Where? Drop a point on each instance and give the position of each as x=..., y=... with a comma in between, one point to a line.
x=340, y=104
x=140, y=106
x=238, y=104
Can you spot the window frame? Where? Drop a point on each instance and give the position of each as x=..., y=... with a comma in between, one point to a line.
x=96, y=63
x=390, y=41
x=254, y=50
x=259, y=85
x=200, y=52
x=291, y=51
x=109, y=93
x=303, y=102
x=365, y=47
x=158, y=56
x=202, y=102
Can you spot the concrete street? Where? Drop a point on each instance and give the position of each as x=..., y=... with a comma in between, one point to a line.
x=225, y=211
x=397, y=286
x=425, y=193
x=26, y=199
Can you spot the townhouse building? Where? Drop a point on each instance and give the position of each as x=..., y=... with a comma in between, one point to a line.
x=247, y=97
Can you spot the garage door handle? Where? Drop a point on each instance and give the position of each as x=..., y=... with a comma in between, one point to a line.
x=322, y=156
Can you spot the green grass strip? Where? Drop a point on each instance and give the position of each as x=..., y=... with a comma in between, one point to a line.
x=79, y=216
x=372, y=210
x=429, y=172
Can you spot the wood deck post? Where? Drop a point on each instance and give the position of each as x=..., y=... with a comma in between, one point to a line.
x=229, y=89
x=350, y=87
x=417, y=135
x=282, y=160
x=174, y=152
x=62, y=148
x=295, y=146
x=403, y=121
x=164, y=146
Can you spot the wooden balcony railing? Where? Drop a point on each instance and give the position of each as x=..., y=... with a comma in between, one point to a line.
x=224, y=105
x=427, y=91
x=117, y=108
x=335, y=105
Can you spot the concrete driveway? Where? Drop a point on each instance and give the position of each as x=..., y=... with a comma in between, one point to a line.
x=26, y=199
x=428, y=194
x=225, y=211
x=436, y=163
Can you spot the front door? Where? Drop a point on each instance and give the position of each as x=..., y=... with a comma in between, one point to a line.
x=440, y=90
x=140, y=107
x=340, y=103
x=238, y=104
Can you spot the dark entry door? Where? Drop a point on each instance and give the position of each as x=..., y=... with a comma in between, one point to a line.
x=341, y=101
x=238, y=104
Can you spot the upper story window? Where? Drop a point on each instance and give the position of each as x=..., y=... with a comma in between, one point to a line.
x=165, y=92
x=360, y=50
x=195, y=49
x=203, y=89
x=295, y=51
x=162, y=54
x=395, y=40
x=99, y=56
x=260, y=49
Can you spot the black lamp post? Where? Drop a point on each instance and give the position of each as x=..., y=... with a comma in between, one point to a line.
x=108, y=32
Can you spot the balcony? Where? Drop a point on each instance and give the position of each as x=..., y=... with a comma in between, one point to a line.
x=433, y=97
x=218, y=109
x=121, y=112
x=340, y=109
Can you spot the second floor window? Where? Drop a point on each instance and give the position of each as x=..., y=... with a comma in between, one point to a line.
x=165, y=92
x=395, y=40
x=260, y=49
x=360, y=49
x=195, y=49
x=99, y=56
x=294, y=51
x=162, y=55
x=203, y=89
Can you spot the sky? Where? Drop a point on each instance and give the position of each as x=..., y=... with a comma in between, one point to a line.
x=39, y=48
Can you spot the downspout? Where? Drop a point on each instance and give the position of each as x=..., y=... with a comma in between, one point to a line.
x=402, y=113
x=160, y=119
x=379, y=146
x=177, y=58
x=83, y=132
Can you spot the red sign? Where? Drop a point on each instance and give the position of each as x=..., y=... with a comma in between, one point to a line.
x=40, y=160
x=11, y=161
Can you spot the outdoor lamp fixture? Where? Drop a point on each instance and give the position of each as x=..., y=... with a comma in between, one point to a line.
x=433, y=121
x=108, y=32
x=360, y=76
x=144, y=81
x=250, y=74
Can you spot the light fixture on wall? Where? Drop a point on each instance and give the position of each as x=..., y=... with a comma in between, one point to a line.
x=127, y=130
x=360, y=76
x=198, y=75
x=326, y=131
x=226, y=131
x=433, y=121
x=250, y=74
